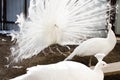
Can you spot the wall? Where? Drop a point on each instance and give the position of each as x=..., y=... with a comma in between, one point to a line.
x=13, y=7
x=117, y=29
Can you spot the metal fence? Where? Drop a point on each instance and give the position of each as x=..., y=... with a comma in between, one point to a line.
x=10, y=8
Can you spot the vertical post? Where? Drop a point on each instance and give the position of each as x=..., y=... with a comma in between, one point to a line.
x=4, y=14
x=25, y=8
x=0, y=11
x=113, y=13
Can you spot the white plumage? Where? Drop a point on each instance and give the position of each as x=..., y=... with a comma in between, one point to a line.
x=65, y=70
x=65, y=22
x=95, y=45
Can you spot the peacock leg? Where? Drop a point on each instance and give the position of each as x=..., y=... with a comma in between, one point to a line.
x=45, y=54
x=51, y=50
x=69, y=57
x=90, y=61
x=60, y=52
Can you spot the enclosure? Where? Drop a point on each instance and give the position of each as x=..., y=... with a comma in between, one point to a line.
x=8, y=11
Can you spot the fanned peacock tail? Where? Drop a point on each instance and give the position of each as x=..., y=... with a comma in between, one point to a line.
x=58, y=21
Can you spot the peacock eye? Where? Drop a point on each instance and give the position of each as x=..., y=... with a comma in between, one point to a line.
x=104, y=64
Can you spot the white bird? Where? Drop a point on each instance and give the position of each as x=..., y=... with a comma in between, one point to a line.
x=65, y=70
x=95, y=46
x=64, y=22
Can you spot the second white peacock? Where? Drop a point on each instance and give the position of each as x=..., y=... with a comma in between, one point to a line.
x=95, y=46
x=65, y=70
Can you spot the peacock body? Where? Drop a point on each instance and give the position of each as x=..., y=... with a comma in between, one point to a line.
x=65, y=70
x=95, y=46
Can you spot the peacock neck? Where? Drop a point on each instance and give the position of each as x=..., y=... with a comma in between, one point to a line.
x=98, y=68
x=99, y=72
x=111, y=36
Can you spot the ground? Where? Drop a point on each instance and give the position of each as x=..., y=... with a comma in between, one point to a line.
x=46, y=58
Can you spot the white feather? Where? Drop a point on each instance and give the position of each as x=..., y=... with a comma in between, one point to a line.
x=58, y=21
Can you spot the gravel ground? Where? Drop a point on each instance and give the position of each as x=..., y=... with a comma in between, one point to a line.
x=46, y=58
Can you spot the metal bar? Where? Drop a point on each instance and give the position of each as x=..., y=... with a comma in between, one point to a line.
x=3, y=14
x=12, y=22
x=0, y=10
x=25, y=8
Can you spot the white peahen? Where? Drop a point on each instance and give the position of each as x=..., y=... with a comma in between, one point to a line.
x=65, y=22
x=65, y=70
x=96, y=45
